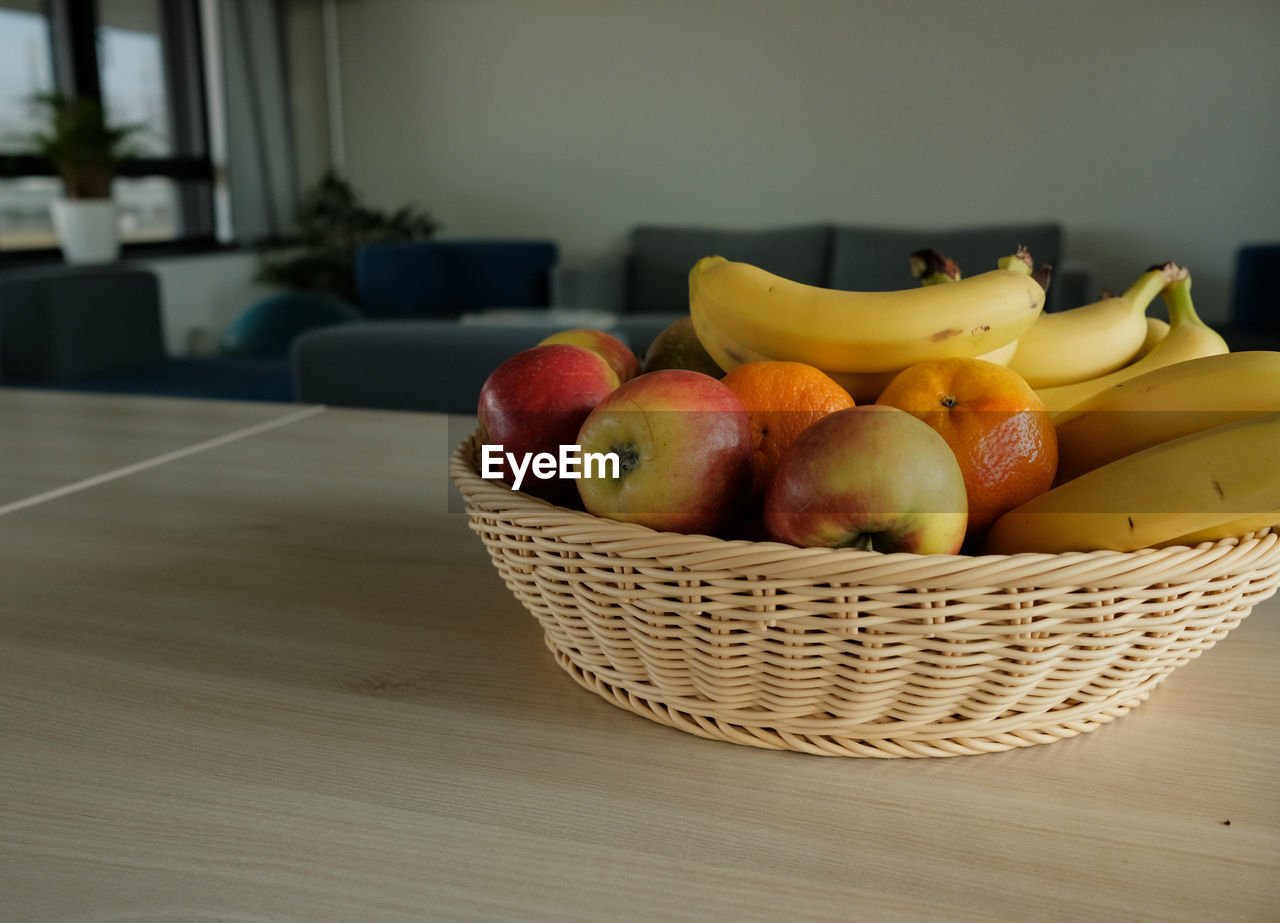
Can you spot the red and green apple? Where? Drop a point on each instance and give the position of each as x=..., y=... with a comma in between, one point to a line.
x=624, y=362
x=871, y=477
x=684, y=453
x=535, y=402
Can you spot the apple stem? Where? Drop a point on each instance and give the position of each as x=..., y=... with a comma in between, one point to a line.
x=864, y=542
x=627, y=458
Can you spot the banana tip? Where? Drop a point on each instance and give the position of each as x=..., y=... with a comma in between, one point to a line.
x=1172, y=271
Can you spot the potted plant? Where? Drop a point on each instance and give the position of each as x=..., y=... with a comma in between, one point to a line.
x=86, y=151
x=333, y=223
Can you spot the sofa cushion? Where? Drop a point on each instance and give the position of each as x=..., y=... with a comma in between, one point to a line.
x=447, y=278
x=661, y=257
x=878, y=259
x=424, y=365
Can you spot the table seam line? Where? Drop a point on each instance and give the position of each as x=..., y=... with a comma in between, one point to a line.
x=163, y=459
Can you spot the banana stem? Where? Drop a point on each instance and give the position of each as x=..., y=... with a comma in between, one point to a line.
x=1021, y=261
x=934, y=268
x=1152, y=282
x=1042, y=274
x=1177, y=298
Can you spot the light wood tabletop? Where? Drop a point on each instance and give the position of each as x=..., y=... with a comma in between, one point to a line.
x=254, y=666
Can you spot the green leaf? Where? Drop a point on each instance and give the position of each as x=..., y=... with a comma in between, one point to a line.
x=332, y=225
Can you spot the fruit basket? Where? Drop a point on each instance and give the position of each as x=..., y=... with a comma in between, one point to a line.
x=853, y=653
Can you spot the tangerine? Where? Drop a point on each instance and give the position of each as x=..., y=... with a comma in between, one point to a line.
x=998, y=428
x=782, y=399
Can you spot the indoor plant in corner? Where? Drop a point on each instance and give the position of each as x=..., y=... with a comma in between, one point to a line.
x=333, y=223
x=86, y=151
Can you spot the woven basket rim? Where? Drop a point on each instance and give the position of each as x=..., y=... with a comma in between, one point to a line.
x=1100, y=568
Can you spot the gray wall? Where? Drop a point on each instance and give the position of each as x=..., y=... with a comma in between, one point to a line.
x=1152, y=131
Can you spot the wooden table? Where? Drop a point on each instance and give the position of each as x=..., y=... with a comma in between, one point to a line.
x=255, y=666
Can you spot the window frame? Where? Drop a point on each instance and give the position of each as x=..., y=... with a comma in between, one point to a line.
x=73, y=30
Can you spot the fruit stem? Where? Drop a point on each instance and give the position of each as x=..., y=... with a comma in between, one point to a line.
x=1177, y=298
x=1021, y=261
x=864, y=542
x=1151, y=283
x=1042, y=274
x=933, y=268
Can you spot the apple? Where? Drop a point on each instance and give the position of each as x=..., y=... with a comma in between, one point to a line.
x=618, y=354
x=535, y=402
x=872, y=477
x=684, y=453
x=678, y=347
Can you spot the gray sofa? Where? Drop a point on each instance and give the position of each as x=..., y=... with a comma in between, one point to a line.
x=101, y=328
x=439, y=365
x=431, y=365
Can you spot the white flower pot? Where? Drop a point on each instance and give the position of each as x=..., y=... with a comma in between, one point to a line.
x=87, y=229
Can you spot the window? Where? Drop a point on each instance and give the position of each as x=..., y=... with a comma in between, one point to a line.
x=142, y=58
x=26, y=68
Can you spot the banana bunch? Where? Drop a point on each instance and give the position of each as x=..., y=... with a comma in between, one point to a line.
x=1188, y=337
x=1210, y=484
x=1092, y=340
x=742, y=313
x=1164, y=404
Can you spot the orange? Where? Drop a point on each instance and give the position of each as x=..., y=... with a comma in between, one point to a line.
x=995, y=424
x=782, y=399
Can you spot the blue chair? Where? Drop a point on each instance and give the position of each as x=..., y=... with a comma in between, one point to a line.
x=268, y=328
x=443, y=279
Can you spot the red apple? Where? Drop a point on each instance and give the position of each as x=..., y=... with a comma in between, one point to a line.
x=871, y=477
x=684, y=453
x=618, y=354
x=531, y=405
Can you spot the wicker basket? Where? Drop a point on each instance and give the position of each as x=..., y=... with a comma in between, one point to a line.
x=856, y=653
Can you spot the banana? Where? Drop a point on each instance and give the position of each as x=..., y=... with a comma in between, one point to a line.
x=1164, y=404
x=1187, y=486
x=866, y=387
x=1070, y=346
x=861, y=331
x=1157, y=330
x=1233, y=529
x=1188, y=338
x=863, y=387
